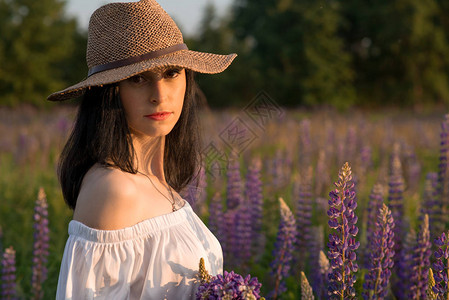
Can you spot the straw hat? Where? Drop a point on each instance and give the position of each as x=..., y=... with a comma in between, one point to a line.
x=126, y=39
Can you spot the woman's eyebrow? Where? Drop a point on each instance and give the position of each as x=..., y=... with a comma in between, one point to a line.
x=157, y=72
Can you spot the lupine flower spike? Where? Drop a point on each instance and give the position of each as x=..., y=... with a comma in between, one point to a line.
x=216, y=218
x=204, y=276
x=430, y=202
x=441, y=267
x=304, y=215
x=306, y=289
x=283, y=252
x=254, y=195
x=395, y=197
x=41, y=244
x=342, y=244
x=421, y=262
x=401, y=287
x=234, y=198
x=430, y=284
x=8, y=290
x=374, y=205
x=234, y=184
x=381, y=257
x=243, y=236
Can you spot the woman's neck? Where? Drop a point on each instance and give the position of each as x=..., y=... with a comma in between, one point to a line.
x=150, y=155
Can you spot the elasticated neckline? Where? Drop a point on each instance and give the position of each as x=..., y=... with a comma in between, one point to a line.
x=143, y=228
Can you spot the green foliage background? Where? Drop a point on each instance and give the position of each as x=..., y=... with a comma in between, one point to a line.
x=301, y=52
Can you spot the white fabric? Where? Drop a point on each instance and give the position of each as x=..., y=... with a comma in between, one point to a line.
x=155, y=259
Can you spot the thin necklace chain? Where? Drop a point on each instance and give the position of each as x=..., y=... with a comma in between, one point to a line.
x=168, y=188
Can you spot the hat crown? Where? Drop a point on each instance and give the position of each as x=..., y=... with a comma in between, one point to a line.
x=122, y=30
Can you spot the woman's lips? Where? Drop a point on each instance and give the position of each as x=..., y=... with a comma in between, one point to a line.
x=159, y=116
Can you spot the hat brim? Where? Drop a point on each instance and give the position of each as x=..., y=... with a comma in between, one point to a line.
x=197, y=61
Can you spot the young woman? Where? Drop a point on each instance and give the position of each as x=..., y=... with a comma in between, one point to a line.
x=134, y=146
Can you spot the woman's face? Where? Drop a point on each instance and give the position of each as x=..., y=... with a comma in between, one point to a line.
x=155, y=91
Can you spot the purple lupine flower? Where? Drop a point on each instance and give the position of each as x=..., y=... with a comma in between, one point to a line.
x=421, y=262
x=443, y=178
x=342, y=244
x=303, y=210
x=303, y=214
x=243, y=236
x=234, y=185
x=283, y=250
x=401, y=288
x=430, y=204
x=374, y=205
x=41, y=244
x=234, y=197
x=253, y=192
x=8, y=290
x=216, y=222
x=441, y=266
x=231, y=244
x=238, y=220
x=381, y=257
x=395, y=198
x=229, y=286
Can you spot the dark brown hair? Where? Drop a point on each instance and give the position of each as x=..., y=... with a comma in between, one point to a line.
x=101, y=119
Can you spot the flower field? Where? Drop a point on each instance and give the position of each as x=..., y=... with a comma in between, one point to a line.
x=276, y=191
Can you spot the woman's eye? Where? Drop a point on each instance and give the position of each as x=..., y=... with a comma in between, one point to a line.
x=172, y=73
x=137, y=79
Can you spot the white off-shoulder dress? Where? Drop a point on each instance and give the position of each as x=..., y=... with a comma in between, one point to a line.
x=155, y=259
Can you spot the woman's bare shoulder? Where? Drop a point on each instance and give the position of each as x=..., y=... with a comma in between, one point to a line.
x=107, y=200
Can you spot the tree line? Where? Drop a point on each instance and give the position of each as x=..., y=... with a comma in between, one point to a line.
x=300, y=52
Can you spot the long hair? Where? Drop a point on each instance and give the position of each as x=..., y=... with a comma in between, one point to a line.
x=101, y=135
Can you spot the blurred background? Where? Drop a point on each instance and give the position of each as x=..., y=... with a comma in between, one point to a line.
x=301, y=52
x=357, y=81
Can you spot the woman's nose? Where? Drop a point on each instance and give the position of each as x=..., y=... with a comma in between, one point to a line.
x=158, y=91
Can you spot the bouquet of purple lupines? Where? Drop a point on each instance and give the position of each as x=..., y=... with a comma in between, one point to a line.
x=228, y=286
